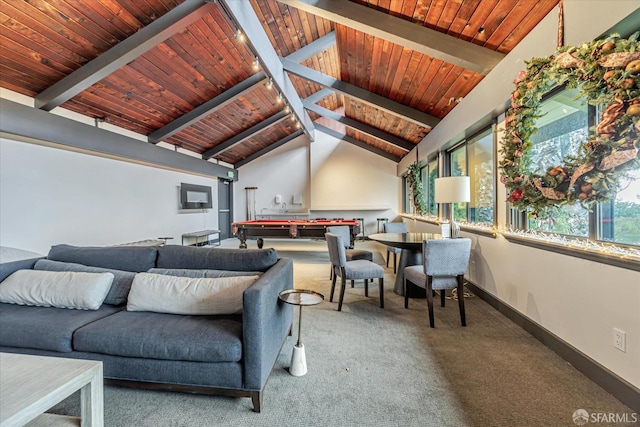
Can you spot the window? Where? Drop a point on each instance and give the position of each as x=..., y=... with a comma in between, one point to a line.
x=407, y=205
x=481, y=171
x=562, y=128
x=458, y=165
x=432, y=206
x=475, y=158
x=618, y=219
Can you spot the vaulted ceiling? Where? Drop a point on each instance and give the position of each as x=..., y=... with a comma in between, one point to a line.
x=232, y=80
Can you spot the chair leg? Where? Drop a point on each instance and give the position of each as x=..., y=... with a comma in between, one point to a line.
x=331, y=273
x=353, y=283
x=406, y=298
x=442, y=294
x=388, y=256
x=366, y=287
x=461, y=300
x=342, y=287
x=381, y=286
x=430, y=301
x=395, y=262
x=333, y=287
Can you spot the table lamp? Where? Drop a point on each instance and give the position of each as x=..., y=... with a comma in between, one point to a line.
x=452, y=189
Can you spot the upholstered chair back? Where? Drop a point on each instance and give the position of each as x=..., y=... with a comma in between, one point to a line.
x=445, y=259
x=343, y=232
x=395, y=227
x=336, y=249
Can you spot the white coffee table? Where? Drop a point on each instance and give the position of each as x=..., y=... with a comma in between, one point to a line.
x=30, y=385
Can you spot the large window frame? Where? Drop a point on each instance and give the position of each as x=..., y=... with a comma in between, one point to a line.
x=426, y=178
x=457, y=163
x=601, y=220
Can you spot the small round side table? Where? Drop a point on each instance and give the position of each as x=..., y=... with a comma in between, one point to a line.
x=299, y=297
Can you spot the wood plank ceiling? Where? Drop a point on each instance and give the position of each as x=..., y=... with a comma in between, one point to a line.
x=180, y=72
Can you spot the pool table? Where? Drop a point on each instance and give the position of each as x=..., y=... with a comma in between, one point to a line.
x=290, y=228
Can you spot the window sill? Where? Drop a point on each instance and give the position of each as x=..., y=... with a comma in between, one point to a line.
x=601, y=252
x=628, y=260
x=469, y=228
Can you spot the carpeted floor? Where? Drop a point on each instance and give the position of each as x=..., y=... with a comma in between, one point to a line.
x=385, y=367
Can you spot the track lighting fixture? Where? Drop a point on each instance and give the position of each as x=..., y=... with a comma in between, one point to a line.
x=256, y=63
x=270, y=83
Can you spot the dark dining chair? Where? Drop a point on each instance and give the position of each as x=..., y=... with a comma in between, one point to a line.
x=394, y=227
x=444, y=263
x=351, y=270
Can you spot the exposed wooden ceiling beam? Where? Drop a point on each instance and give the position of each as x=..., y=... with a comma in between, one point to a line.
x=359, y=126
x=402, y=32
x=119, y=55
x=245, y=17
x=314, y=48
x=245, y=135
x=269, y=148
x=373, y=99
x=354, y=141
x=207, y=108
x=37, y=126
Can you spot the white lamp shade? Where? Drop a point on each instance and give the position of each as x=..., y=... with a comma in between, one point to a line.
x=452, y=189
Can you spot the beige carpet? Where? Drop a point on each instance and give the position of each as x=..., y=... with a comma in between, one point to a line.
x=385, y=367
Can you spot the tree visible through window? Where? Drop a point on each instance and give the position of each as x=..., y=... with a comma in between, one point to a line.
x=619, y=219
x=432, y=206
x=480, y=158
x=562, y=128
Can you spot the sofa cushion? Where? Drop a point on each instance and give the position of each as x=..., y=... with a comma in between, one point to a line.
x=209, y=274
x=202, y=258
x=186, y=295
x=62, y=289
x=45, y=328
x=6, y=268
x=127, y=258
x=164, y=336
x=121, y=279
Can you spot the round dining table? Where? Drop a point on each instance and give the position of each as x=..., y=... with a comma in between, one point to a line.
x=411, y=254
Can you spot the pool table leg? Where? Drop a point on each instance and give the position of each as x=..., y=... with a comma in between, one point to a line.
x=242, y=235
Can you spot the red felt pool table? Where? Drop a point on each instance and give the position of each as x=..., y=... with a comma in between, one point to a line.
x=293, y=228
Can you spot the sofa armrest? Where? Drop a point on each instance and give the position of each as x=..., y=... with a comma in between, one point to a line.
x=266, y=322
x=7, y=268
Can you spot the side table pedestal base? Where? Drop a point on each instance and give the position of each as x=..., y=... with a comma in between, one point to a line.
x=298, y=366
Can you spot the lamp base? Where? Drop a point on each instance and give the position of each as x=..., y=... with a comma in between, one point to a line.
x=455, y=230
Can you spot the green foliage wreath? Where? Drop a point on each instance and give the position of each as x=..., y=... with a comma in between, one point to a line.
x=606, y=73
x=416, y=189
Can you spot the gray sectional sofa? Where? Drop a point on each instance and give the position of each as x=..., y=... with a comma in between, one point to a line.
x=225, y=354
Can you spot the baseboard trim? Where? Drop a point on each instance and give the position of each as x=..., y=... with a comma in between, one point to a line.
x=621, y=389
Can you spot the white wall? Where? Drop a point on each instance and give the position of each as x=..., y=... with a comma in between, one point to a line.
x=50, y=196
x=284, y=171
x=579, y=301
x=336, y=179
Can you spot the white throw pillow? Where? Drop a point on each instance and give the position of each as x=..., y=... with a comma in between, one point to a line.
x=186, y=295
x=61, y=289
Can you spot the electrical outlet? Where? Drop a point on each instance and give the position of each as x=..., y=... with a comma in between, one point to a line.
x=620, y=339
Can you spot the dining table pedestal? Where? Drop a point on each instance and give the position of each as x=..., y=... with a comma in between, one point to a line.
x=411, y=254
